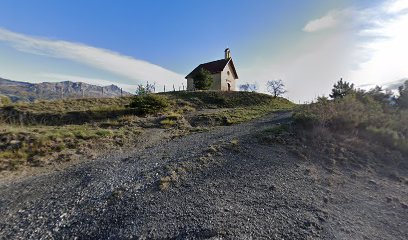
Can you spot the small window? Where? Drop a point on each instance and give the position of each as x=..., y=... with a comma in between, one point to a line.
x=228, y=73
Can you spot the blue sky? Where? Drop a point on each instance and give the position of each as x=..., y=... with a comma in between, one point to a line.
x=308, y=44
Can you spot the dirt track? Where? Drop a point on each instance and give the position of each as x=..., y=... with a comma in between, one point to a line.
x=228, y=186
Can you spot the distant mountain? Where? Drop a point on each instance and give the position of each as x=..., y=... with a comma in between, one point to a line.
x=24, y=91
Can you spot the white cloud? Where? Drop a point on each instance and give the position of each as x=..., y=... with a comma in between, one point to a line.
x=386, y=46
x=396, y=6
x=309, y=70
x=332, y=19
x=104, y=59
x=367, y=47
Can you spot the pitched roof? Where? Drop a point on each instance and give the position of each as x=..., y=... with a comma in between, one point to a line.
x=214, y=67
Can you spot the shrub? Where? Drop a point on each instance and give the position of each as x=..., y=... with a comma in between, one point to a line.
x=104, y=133
x=167, y=122
x=4, y=100
x=203, y=80
x=402, y=100
x=150, y=103
x=362, y=115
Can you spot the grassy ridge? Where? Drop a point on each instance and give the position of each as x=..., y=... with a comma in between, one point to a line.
x=72, y=105
x=43, y=132
x=216, y=99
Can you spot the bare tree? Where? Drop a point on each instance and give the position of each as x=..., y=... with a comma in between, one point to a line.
x=276, y=87
x=247, y=87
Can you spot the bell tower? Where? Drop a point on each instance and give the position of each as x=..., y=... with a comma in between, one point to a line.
x=227, y=54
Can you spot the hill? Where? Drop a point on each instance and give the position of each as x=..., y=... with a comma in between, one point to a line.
x=29, y=92
x=260, y=179
x=45, y=132
x=204, y=165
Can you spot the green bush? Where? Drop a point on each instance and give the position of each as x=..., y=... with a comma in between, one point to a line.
x=203, y=80
x=361, y=115
x=4, y=100
x=150, y=103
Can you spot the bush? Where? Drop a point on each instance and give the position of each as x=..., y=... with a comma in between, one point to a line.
x=361, y=115
x=4, y=100
x=402, y=100
x=203, y=80
x=150, y=103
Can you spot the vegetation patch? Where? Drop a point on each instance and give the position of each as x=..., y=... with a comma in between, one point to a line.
x=41, y=145
x=217, y=99
x=150, y=103
x=357, y=115
x=242, y=114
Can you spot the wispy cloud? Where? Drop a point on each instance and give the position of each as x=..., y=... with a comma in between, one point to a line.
x=99, y=58
x=379, y=50
x=366, y=46
x=332, y=19
x=384, y=41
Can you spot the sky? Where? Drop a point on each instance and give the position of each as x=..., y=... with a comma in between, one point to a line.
x=308, y=44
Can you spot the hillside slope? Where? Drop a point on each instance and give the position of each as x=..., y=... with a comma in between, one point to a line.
x=226, y=183
x=24, y=91
x=47, y=133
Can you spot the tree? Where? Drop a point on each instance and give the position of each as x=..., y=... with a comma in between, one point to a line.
x=203, y=80
x=402, y=99
x=247, y=87
x=142, y=90
x=341, y=89
x=380, y=95
x=276, y=87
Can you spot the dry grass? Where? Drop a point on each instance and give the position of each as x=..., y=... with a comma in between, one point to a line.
x=40, y=145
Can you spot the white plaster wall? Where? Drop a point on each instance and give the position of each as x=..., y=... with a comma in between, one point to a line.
x=225, y=78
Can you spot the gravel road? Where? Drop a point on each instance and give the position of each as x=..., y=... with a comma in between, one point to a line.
x=234, y=188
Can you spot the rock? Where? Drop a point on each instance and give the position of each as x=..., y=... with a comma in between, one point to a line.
x=15, y=144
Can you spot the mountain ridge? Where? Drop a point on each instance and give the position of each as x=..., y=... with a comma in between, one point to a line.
x=29, y=92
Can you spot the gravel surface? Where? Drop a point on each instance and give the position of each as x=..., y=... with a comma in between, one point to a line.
x=224, y=185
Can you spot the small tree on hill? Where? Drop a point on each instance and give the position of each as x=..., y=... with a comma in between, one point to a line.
x=402, y=99
x=148, y=88
x=341, y=89
x=203, y=80
x=276, y=87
